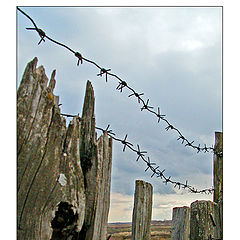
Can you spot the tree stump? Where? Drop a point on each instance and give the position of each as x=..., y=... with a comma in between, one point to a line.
x=59, y=168
x=142, y=211
x=180, y=223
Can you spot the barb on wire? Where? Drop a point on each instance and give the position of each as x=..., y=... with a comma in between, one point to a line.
x=198, y=148
x=160, y=173
x=167, y=180
x=182, y=138
x=178, y=184
x=189, y=144
x=146, y=106
x=169, y=127
x=140, y=153
x=193, y=190
x=125, y=143
x=40, y=32
x=136, y=95
x=185, y=185
x=121, y=84
x=206, y=149
x=109, y=132
x=149, y=164
x=160, y=116
x=154, y=171
x=104, y=71
x=80, y=58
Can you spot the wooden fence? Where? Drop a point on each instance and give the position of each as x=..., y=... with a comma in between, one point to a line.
x=205, y=218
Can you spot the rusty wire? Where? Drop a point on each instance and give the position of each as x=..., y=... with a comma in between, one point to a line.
x=145, y=106
x=121, y=85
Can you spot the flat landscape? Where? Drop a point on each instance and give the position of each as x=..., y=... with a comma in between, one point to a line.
x=160, y=230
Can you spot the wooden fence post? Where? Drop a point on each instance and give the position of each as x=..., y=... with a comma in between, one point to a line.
x=202, y=220
x=180, y=223
x=218, y=181
x=142, y=211
x=218, y=168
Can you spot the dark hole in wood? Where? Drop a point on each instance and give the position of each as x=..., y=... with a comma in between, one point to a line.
x=64, y=223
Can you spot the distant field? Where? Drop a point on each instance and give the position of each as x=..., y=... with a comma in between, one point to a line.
x=160, y=230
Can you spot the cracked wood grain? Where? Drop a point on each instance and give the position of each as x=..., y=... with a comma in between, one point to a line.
x=59, y=164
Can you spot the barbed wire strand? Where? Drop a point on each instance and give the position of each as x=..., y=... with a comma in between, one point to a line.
x=121, y=85
x=153, y=167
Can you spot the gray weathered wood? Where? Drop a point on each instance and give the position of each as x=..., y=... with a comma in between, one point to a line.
x=96, y=161
x=218, y=182
x=180, y=223
x=45, y=175
x=104, y=180
x=142, y=211
x=218, y=168
x=62, y=172
x=218, y=229
x=203, y=215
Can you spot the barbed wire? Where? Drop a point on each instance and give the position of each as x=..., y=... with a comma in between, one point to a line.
x=153, y=167
x=121, y=85
x=141, y=155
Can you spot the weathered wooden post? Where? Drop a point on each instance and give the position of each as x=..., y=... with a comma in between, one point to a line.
x=218, y=182
x=202, y=220
x=63, y=173
x=142, y=211
x=218, y=168
x=206, y=217
x=96, y=162
x=180, y=223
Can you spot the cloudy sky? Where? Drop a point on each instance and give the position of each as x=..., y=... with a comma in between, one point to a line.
x=173, y=55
